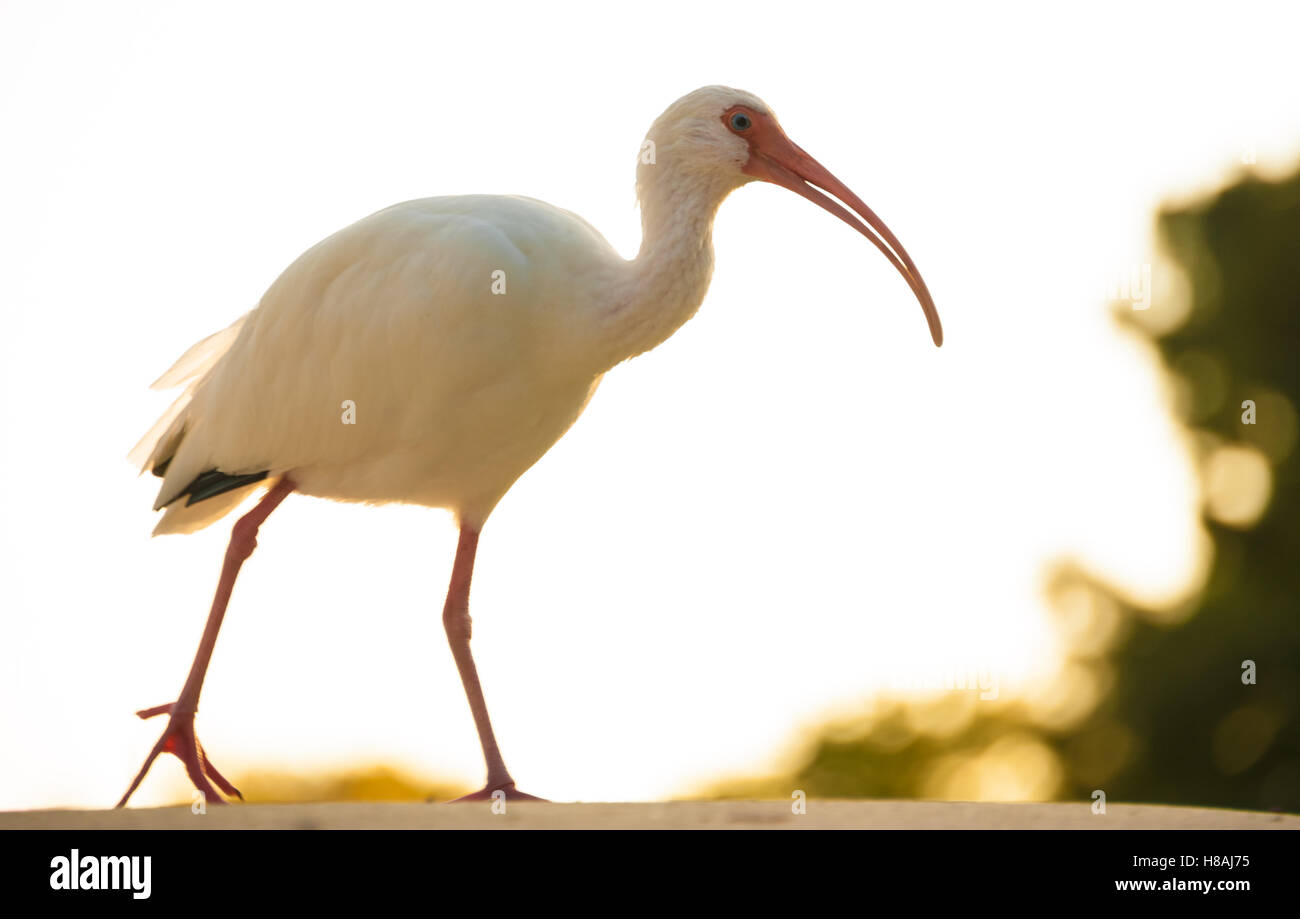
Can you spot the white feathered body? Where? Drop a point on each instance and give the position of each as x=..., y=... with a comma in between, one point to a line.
x=454, y=327
x=458, y=387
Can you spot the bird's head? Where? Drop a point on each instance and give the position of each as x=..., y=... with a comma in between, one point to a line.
x=727, y=137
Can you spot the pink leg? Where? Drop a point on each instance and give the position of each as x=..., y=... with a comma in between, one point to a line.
x=179, y=737
x=455, y=619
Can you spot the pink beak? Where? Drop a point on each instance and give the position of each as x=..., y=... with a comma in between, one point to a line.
x=775, y=158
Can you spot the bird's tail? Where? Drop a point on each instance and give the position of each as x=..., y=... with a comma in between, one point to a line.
x=155, y=450
x=180, y=517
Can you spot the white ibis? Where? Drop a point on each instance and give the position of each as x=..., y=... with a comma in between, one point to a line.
x=432, y=352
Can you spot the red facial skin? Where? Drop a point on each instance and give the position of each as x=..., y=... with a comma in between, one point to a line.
x=775, y=158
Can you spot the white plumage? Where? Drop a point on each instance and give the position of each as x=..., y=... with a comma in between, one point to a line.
x=457, y=389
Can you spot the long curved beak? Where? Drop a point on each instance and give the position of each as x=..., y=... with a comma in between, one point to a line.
x=775, y=158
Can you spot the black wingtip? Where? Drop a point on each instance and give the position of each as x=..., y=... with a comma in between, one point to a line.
x=214, y=482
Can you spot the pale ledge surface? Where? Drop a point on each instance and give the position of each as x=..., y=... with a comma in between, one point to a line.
x=822, y=814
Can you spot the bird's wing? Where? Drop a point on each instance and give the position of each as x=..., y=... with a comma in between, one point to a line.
x=399, y=315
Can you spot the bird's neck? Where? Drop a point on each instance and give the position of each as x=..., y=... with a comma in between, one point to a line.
x=665, y=284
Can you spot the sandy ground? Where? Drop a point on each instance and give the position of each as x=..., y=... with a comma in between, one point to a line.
x=821, y=814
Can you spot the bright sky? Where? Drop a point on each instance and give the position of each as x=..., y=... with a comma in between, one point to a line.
x=792, y=503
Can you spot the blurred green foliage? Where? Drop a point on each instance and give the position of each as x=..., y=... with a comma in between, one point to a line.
x=1152, y=706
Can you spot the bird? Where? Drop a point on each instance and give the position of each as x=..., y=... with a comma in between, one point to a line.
x=463, y=335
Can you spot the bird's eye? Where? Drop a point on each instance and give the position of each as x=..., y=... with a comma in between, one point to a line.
x=740, y=122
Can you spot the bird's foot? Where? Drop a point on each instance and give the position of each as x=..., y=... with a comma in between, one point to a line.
x=180, y=740
x=488, y=793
